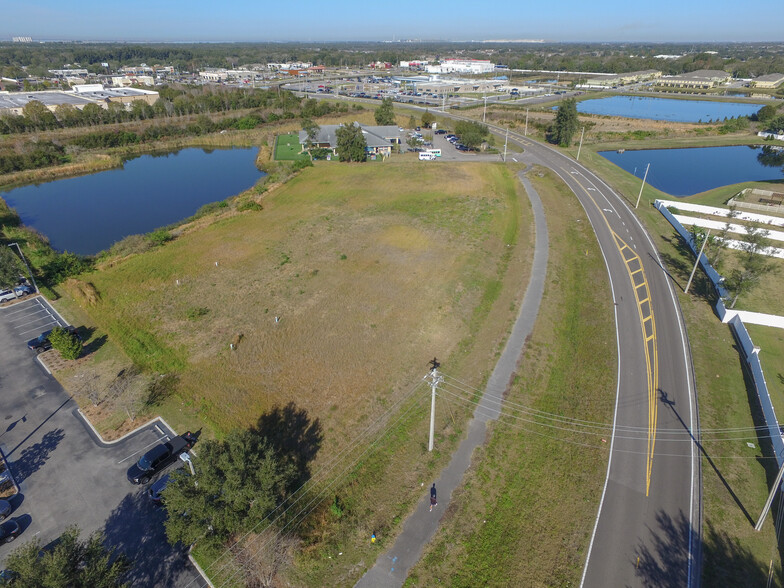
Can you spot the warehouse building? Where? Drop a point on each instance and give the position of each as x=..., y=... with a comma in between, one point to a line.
x=464, y=66
x=79, y=97
x=769, y=81
x=702, y=79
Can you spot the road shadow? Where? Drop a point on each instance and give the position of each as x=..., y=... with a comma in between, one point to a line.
x=135, y=528
x=671, y=405
x=295, y=438
x=664, y=563
x=34, y=457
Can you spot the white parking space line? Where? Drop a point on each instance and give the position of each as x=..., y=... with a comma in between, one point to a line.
x=161, y=440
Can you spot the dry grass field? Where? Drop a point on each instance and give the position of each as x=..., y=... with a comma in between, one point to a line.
x=370, y=272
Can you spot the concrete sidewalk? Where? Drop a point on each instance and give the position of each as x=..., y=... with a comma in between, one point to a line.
x=392, y=566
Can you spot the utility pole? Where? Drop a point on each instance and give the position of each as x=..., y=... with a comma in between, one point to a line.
x=505, y=143
x=642, y=185
x=771, y=496
x=435, y=380
x=581, y=143
x=484, y=113
x=526, y=122
x=686, y=290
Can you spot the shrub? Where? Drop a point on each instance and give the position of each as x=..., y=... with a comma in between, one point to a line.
x=161, y=388
x=159, y=237
x=249, y=205
x=66, y=342
x=302, y=164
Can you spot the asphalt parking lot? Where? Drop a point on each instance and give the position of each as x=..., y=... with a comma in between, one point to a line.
x=66, y=475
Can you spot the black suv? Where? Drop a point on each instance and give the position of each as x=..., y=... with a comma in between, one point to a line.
x=41, y=343
x=159, y=457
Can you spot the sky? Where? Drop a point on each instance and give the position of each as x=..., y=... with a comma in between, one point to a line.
x=372, y=20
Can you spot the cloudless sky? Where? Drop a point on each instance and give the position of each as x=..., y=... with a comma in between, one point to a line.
x=374, y=20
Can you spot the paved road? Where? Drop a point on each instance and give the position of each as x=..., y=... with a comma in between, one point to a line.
x=65, y=474
x=391, y=568
x=648, y=528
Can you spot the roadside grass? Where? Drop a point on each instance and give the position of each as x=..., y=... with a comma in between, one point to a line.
x=287, y=148
x=771, y=343
x=371, y=272
x=525, y=512
x=736, y=478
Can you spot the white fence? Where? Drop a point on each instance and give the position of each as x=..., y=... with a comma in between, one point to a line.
x=742, y=335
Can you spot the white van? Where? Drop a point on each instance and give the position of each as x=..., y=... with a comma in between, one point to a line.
x=426, y=156
x=436, y=152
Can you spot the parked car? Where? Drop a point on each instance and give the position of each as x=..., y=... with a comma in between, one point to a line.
x=159, y=457
x=155, y=489
x=23, y=290
x=41, y=343
x=7, y=295
x=9, y=530
x=5, y=509
x=441, y=132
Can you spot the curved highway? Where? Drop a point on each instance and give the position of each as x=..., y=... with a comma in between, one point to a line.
x=648, y=526
x=649, y=520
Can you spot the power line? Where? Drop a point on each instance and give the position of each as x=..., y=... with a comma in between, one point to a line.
x=318, y=498
x=322, y=472
x=586, y=423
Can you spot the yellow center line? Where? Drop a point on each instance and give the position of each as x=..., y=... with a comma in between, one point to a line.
x=650, y=342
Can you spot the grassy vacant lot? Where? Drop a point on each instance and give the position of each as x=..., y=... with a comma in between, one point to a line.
x=287, y=147
x=525, y=514
x=371, y=272
x=736, y=478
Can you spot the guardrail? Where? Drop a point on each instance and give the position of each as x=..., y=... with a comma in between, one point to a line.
x=750, y=350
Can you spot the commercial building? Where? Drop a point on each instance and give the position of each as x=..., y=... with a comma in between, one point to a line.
x=769, y=81
x=633, y=77
x=702, y=79
x=79, y=97
x=380, y=139
x=465, y=66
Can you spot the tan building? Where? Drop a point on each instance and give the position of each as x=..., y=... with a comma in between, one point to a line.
x=769, y=81
x=633, y=77
x=702, y=79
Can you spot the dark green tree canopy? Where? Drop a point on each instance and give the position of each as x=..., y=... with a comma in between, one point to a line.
x=385, y=114
x=10, y=267
x=472, y=134
x=428, y=119
x=70, y=564
x=565, y=124
x=240, y=481
x=351, y=143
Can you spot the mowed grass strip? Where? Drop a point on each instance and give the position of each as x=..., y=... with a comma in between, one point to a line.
x=525, y=513
x=287, y=147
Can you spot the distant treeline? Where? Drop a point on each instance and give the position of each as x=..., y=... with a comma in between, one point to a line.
x=744, y=60
x=40, y=153
x=172, y=103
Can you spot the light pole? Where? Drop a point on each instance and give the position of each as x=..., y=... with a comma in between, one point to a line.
x=642, y=185
x=484, y=114
x=581, y=144
x=25, y=262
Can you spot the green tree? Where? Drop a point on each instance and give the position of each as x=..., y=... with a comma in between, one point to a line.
x=70, y=563
x=10, y=267
x=412, y=122
x=311, y=129
x=39, y=116
x=754, y=264
x=241, y=482
x=565, y=124
x=428, y=119
x=351, y=143
x=472, y=134
x=766, y=113
x=66, y=342
x=385, y=114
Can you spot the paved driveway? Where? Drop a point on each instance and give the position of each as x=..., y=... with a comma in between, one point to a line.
x=65, y=474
